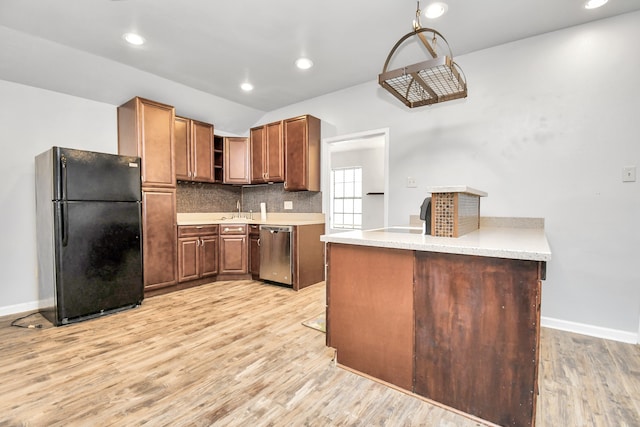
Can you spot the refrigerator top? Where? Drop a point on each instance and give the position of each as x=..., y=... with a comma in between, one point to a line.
x=90, y=176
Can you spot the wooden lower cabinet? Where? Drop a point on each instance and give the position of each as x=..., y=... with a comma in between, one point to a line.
x=233, y=249
x=197, y=252
x=159, y=238
x=461, y=330
x=254, y=251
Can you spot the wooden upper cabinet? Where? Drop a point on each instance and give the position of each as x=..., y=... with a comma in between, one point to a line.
x=202, y=151
x=267, y=153
x=182, y=131
x=256, y=142
x=302, y=153
x=146, y=130
x=274, y=152
x=236, y=161
x=194, y=150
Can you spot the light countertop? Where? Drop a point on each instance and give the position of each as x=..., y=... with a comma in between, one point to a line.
x=500, y=242
x=274, y=218
x=456, y=189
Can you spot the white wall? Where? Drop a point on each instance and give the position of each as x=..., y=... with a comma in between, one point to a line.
x=42, y=63
x=32, y=121
x=547, y=126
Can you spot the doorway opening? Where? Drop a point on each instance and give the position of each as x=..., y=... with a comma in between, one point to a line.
x=369, y=152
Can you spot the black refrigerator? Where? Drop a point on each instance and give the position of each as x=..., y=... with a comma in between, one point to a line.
x=89, y=234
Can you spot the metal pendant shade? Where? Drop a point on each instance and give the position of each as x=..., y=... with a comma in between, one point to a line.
x=437, y=79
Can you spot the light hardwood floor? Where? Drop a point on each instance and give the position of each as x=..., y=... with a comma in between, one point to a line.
x=236, y=354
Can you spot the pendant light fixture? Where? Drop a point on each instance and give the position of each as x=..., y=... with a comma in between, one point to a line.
x=437, y=79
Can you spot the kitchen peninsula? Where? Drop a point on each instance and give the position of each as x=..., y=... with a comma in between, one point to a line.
x=455, y=320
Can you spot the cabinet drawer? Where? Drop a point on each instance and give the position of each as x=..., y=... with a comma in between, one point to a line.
x=254, y=230
x=233, y=229
x=197, y=230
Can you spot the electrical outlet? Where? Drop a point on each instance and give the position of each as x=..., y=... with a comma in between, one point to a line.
x=288, y=205
x=411, y=182
x=629, y=174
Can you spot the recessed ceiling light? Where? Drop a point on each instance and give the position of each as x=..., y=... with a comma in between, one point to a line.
x=133, y=39
x=304, y=63
x=594, y=4
x=247, y=87
x=435, y=10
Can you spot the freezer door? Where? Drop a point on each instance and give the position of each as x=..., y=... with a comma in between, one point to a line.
x=98, y=257
x=86, y=175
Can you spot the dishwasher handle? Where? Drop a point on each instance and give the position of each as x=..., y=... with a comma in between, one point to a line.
x=277, y=228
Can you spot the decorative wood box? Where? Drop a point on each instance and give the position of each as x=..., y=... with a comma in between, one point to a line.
x=455, y=210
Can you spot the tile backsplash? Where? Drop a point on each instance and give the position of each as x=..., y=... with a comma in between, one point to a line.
x=204, y=197
x=274, y=196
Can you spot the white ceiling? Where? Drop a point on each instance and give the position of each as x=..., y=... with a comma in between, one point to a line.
x=214, y=45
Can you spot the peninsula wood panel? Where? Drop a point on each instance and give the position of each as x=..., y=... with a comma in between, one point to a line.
x=371, y=334
x=477, y=334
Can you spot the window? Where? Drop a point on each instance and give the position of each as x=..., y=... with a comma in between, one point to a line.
x=346, y=198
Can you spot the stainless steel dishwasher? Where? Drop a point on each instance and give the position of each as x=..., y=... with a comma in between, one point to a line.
x=275, y=253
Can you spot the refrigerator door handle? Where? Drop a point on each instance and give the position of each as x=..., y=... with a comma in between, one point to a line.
x=63, y=166
x=63, y=216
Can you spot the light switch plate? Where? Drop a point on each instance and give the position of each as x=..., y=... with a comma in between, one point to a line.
x=629, y=174
x=288, y=205
x=411, y=182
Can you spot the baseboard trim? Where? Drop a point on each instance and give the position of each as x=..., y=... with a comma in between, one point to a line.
x=19, y=308
x=593, y=331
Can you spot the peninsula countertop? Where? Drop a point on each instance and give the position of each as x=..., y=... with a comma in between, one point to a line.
x=273, y=218
x=511, y=242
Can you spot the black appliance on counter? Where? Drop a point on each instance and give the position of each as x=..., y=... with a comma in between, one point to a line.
x=88, y=210
x=425, y=214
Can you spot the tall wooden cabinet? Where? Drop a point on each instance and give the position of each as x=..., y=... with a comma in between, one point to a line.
x=159, y=237
x=302, y=153
x=194, y=150
x=267, y=153
x=146, y=130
